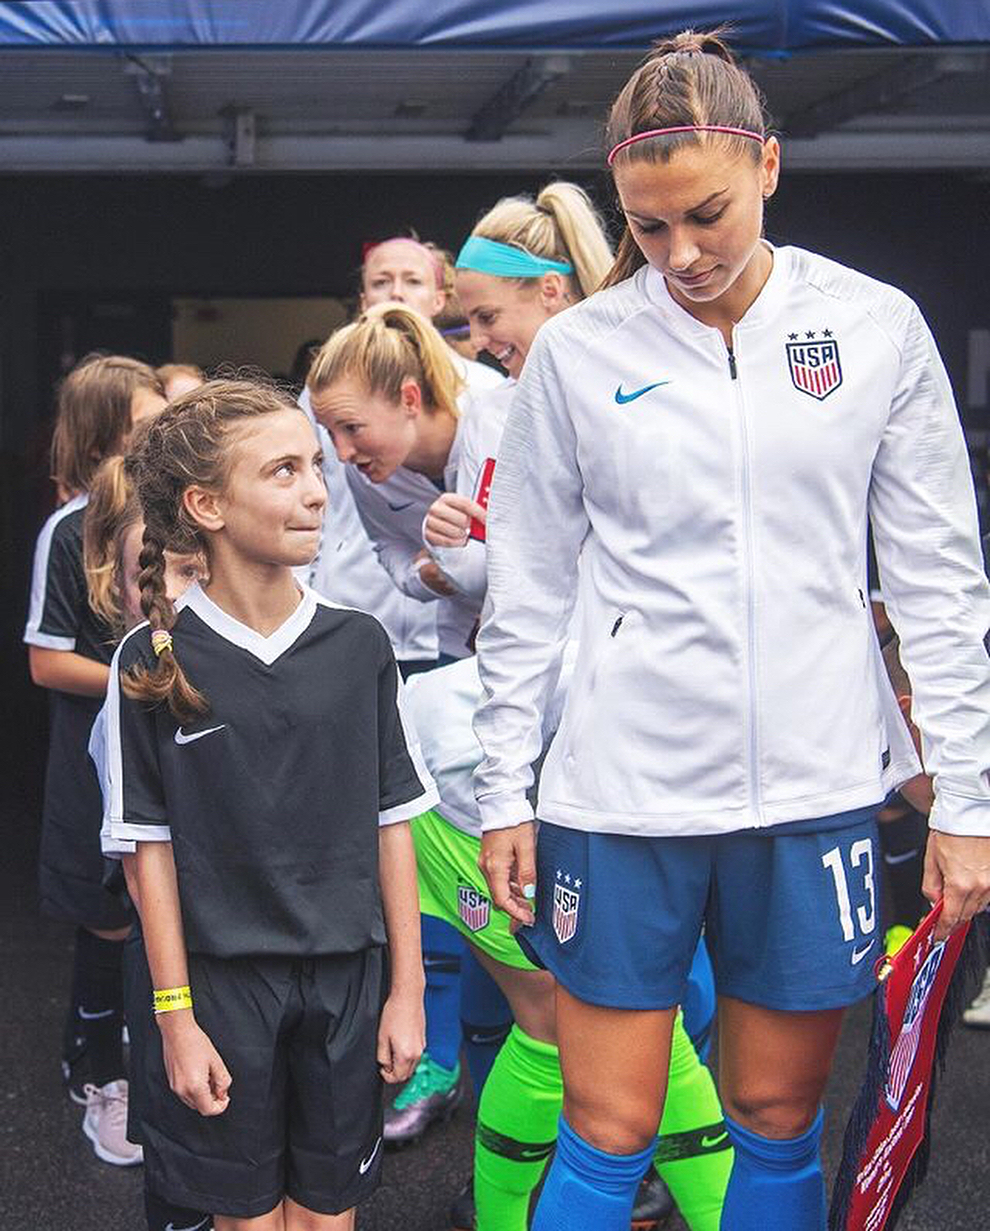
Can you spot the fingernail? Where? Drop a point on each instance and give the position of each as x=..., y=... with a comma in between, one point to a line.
x=529, y=891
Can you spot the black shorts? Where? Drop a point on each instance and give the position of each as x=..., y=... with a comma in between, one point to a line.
x=299, y=1038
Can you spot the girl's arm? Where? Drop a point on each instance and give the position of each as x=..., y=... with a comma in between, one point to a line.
x=67, y=671
x=195, y=1070
x=402, y=1031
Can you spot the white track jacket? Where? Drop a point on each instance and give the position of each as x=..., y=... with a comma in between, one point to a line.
x=729, y=675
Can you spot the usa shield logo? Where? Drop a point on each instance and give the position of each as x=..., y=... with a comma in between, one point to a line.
x=566, y=900
x=815, y=367
x=903, y=1052
x=473, y=908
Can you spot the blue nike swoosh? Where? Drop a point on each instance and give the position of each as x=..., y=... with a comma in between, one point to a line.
x=622, y=398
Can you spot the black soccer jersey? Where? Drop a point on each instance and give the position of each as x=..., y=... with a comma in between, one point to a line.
x=272, y=801
x=60, y=618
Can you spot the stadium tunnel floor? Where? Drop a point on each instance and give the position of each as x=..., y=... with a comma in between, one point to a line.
x=50, y=1179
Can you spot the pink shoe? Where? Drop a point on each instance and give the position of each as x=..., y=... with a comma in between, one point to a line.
x=105, y=1124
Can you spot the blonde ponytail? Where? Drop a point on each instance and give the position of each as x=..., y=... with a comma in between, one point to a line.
x=388, y=344
x=561, y=224
x=113, y=507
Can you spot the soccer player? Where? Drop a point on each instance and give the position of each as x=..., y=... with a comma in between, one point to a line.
x=265, y=899
x=709, y=434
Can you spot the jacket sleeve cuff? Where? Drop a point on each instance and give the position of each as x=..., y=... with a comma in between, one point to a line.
x=960, y=814
x=504, y=811
x=415, y=587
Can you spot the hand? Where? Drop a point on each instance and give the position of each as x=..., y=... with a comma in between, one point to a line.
x=957, y=869
x=431, y=575
x=449, y=520
x=508, y=862
x=195, y=1071
x=401, y=1036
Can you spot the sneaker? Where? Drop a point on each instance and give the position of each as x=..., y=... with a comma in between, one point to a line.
x=462, y=1212
x=654, y=1204
x=432, y=1093
x=105, y=1124
x=978, y=1013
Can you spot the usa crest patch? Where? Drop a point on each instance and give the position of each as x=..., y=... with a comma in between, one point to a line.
x=815, y=366
x=473, y=908
x=566, y=900
x=903, y=1053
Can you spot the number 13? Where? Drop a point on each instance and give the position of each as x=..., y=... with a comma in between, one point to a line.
x=865, y=916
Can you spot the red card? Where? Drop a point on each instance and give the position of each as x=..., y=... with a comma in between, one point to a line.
x=476, y=530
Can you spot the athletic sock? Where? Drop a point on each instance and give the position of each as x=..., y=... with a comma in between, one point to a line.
x=163, y=1216
x=902, y=842
x=485, y=1020
x=587, y=1189
x=775, y=1184
x=694, y=1154
x=99, y=987
x=517, y=1126
x=442, y=949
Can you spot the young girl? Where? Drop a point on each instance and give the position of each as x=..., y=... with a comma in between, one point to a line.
x=70, y=645
x=525, y=262
x=709, y=434
x=265, y=899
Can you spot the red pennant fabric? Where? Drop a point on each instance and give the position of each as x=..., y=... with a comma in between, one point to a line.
x=913, y=988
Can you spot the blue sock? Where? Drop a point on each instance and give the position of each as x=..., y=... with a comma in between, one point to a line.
x=775, y=1184
x=587, y=1189
x=699, y=1001
x=486, y=1019
x=442, y=950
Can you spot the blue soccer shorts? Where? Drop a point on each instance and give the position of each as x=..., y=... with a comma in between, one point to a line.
x=791, y=913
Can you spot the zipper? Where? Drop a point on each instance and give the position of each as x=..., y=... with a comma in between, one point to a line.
x=752, y=733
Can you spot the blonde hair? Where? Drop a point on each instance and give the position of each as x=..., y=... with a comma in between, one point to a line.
x=388, y=344
x=93, y=415
x=690, y=79
x=112, y=509
x=561, y=224
x=187, y=445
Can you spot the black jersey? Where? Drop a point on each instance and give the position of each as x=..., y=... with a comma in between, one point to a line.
x=272, y=801
x=60, y=618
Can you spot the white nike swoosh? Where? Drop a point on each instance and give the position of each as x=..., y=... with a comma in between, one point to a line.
x=94, y=1017
x=366, y=1163
x=180, y=738
x=858, y=954
x=197, y=1227
x=893, y=860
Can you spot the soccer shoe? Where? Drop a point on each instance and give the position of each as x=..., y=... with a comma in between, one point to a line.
x=978, y=1013
x=432, y=1093
x=654, y=1204
x=895, y=938
x=462, y=1213
x=105, y=1124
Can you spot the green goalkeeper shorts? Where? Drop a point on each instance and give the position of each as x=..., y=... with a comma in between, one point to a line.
x=451, y=887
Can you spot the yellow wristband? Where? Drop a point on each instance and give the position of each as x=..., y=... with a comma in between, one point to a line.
x=171, y=998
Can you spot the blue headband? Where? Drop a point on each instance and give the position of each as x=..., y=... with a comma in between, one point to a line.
x=487, y=256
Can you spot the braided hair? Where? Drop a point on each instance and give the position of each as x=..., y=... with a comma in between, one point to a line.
x=187, y=445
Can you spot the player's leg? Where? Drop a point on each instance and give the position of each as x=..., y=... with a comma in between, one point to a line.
x=785, y=972
x=486, y=1019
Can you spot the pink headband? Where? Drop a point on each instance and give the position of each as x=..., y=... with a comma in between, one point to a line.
x=408, y=239
x=685, y=128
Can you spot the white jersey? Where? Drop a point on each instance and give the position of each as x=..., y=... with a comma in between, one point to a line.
x=347, y=571
x=479, y=377
x=440, y=705
x=393, y=514
x=729, y=674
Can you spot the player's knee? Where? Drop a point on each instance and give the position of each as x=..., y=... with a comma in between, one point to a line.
x=625, y=1129
x=775, y=1114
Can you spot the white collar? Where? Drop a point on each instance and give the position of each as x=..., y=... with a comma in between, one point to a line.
x=267, y=649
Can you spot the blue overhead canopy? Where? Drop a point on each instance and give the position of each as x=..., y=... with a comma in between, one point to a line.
x=769, y=26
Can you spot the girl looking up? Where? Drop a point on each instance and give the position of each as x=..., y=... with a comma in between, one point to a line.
x=266, y=899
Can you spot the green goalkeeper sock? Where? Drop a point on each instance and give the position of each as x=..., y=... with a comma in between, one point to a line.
x=694, y=1154
x=517, y=1128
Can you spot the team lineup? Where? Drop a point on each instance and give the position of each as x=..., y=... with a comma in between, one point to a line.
x=526, y=702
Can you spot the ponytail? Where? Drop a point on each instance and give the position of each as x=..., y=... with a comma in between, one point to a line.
x=112, y=508
x=388, y=344
x=561, y=224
